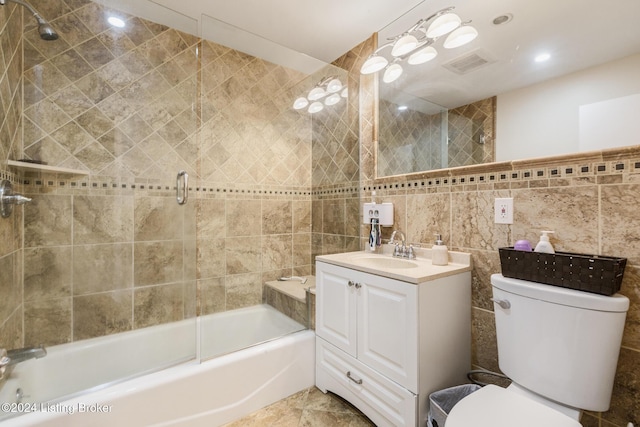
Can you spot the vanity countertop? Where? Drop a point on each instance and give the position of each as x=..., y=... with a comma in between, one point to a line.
x=415, y=271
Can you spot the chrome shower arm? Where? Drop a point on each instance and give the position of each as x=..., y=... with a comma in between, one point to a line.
x=27, y=5
x=45, y=30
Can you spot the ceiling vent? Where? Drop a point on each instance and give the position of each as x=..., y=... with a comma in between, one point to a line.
x=469, y=62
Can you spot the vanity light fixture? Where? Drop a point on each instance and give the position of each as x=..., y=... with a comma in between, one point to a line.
x=392, y=73
x=416, y=44
x=460, y=36
x=328, y=91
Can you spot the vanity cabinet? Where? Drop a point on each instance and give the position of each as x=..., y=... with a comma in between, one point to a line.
x=385, y=344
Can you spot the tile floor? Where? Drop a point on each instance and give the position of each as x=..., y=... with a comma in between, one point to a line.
x=308, y=408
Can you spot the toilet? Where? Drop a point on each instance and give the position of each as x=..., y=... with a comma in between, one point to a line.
x=559, y=347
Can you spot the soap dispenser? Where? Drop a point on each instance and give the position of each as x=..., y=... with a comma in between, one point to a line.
x=544, y=245
x=439, y=252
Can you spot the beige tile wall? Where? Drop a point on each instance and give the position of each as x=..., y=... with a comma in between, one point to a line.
x=11, y=244
x=471, y=133
x=113, y=251
x=336, y=174
x=410, y=140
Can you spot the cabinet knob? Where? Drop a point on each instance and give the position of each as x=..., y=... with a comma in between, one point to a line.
x=358, y=285
x=350, y=283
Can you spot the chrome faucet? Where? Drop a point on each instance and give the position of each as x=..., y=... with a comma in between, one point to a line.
x=20, y=355
x=401, y=250
x=8, y=359
x=392, y=240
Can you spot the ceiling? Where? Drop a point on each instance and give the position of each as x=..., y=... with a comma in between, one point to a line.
x=304, y=34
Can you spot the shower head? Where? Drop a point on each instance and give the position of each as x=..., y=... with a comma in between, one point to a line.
x=45, y=30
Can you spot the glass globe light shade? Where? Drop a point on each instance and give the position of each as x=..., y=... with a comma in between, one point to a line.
x=443, y=24
x=345, y=92
x=332, y=99
x=392, y=73
x=422, y=56
x=460, y=37
x=334, y=86
x=300, y=103
x=315, y=107
x=373, y=64
x=404, y=45
x=316, y=93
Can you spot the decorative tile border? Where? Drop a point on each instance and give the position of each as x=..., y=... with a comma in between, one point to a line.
x=528, y=176
x=9, y=176
x=51, y=184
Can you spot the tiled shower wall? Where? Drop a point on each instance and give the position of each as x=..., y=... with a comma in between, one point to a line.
x=336, y=165
x=411, y=141
x=10, y=123
x=472, y=133
x=112, y=251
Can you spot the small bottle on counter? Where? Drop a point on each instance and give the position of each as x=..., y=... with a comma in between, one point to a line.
x=439, y=252
x=544, y=245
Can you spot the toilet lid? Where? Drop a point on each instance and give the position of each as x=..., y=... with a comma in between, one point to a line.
x=494, y=406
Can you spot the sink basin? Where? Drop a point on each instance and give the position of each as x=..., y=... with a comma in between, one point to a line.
x=380, y=262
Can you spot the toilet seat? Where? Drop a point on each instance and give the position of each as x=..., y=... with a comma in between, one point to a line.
x=494, y=406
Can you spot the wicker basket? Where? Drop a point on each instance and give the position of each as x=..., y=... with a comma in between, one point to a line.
x=590, y=273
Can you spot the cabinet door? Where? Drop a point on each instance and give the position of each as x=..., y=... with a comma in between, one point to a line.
x=388, y=328
x=336, y=307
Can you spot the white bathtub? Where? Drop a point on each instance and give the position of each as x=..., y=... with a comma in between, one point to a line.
x=210, y=393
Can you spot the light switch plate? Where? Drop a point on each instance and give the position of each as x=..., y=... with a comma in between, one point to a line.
x=504, y=210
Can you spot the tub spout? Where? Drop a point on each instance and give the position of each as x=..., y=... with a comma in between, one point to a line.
x=20, y=355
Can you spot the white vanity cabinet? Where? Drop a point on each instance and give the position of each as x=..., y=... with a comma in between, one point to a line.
x=385, y=344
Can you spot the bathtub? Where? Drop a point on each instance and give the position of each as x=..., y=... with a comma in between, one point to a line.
x=210, y=393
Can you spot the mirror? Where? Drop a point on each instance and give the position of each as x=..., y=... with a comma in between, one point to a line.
x=498, y=70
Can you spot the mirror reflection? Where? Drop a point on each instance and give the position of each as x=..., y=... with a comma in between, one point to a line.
x=495, y=69
x=416, y=135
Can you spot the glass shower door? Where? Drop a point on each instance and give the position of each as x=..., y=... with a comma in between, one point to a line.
x=109, y=254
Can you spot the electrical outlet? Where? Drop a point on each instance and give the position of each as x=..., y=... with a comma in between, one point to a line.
x=504, y=210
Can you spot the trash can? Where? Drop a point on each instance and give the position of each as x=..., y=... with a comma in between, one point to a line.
x=442, y=401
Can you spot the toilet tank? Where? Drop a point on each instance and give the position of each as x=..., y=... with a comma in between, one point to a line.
x=560, y=343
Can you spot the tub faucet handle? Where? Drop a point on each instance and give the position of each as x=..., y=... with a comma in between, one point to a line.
x=8, y=198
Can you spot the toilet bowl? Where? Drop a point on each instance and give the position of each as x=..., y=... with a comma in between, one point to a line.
x=559, y=347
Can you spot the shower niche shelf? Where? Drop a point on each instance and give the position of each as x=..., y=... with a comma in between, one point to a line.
x=45, y=168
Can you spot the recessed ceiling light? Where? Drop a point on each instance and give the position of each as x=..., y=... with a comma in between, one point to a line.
x=116, y=22
x=542, y=57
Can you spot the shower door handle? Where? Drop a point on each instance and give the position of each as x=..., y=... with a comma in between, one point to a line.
x=182, y=187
